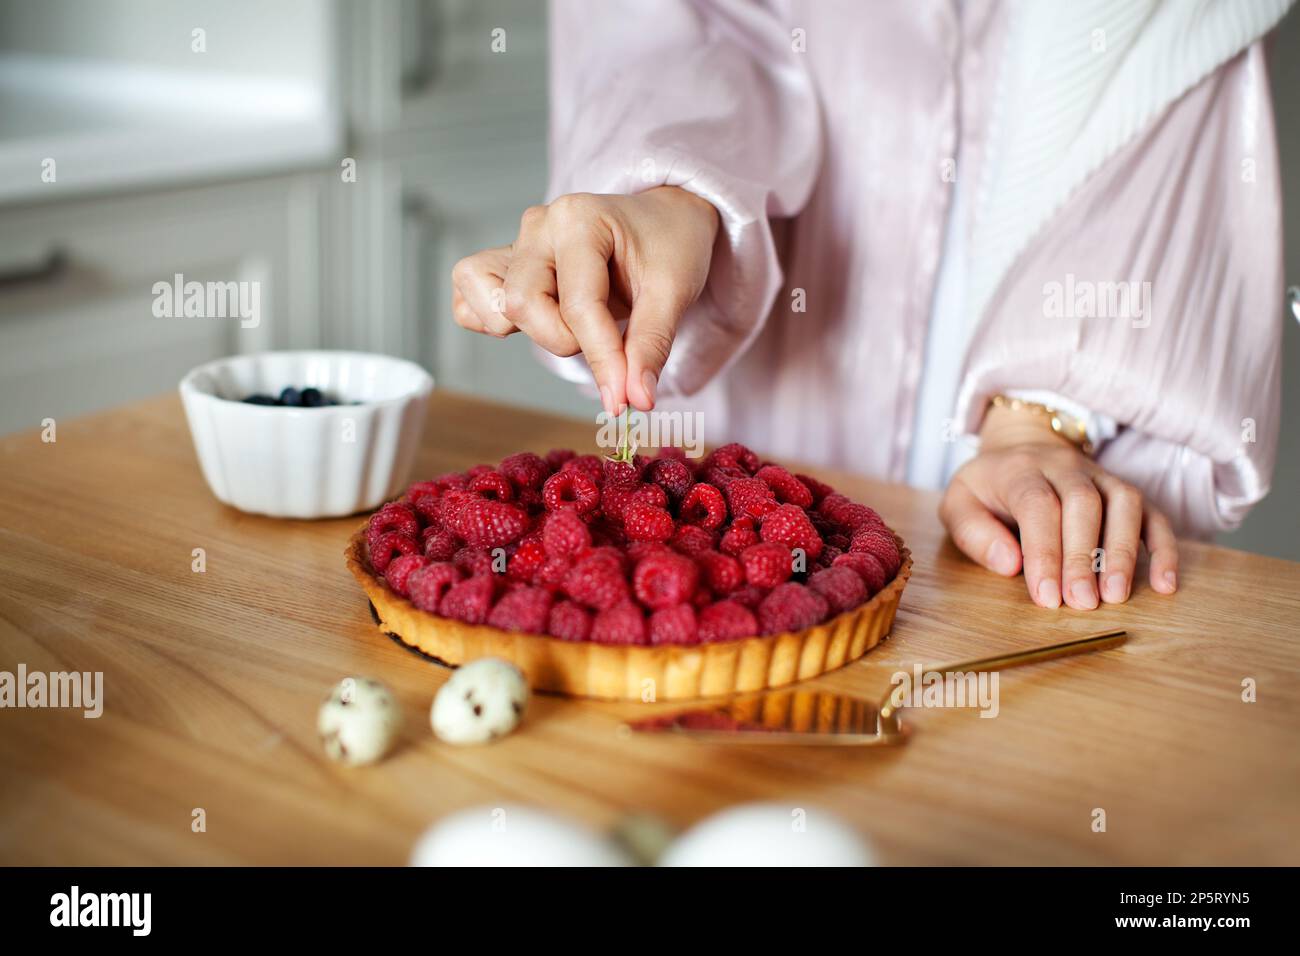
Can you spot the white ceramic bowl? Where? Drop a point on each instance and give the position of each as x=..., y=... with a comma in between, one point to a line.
x=306, y=462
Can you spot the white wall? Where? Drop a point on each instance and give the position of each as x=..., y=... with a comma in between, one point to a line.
x=1274, y=526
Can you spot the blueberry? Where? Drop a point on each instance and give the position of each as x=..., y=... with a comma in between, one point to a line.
x=290, y=396
x=312, y=398
x=260, y=399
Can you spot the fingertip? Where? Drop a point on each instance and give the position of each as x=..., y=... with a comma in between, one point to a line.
x=1115, y=589
x=1083, y=595
x=1048, y=593
x=611, y=384
x=1002, y=559
x=1165, y=581
x=641, y=389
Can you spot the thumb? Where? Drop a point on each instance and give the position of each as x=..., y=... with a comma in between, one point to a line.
x=649, y=337
x=977, y=532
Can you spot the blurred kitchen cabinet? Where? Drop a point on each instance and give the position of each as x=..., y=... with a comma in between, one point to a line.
x=418, y=64
x=446, y=101
x=77, y=324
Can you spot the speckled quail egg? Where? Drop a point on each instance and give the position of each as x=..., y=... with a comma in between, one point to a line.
x=514, y=836
x=770, y=834
x=359, y=721
x=483, y=700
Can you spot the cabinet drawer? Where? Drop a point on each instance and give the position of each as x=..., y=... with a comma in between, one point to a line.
x=78, y=329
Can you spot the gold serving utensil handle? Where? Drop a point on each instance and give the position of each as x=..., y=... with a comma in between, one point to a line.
x=1032, y=655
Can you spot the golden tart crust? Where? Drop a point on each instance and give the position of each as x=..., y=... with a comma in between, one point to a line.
x=620, y=671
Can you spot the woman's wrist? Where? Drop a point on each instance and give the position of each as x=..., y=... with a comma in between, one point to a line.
x=1005, y=426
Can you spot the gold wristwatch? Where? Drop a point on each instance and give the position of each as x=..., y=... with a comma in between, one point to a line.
x=1067, y=426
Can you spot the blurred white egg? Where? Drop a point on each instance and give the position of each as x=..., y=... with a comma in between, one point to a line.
x=770, y=834
x=514, y=836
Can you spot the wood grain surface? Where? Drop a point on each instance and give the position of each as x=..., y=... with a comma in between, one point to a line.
x=212, y=681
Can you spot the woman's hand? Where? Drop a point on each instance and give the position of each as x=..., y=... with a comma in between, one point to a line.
x=1064, y=506
x=584, y=261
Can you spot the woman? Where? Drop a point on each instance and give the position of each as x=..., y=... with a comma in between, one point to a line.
x=1027, y=252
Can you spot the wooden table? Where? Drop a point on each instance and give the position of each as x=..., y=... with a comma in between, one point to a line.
x=212, y=681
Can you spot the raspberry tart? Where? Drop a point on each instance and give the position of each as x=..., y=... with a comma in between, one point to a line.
x=632, y=577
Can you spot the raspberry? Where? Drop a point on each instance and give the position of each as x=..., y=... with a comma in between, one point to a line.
x=703, y=506
x=785, y=486
x=569, y=621
x=573, y=489
x=531, y=499
x=673, y=625
x=637, y=550
x=766, y=565
x=620, y=472
x=721, y=477
x=492, y=484
x=867, y=567
x=618, y=555
x=393, y=516
x=672, y=475
x=647, y=523
x=829, y=554
x=748, y=596
x=606, y=533
x=825, y=526
x=553, y=572
x=596, y=581
x=525, y=609
x=832, y=503
x=791, y=607
x=527, y=560
x=615, y=497
x=662, y=580
x=749, y=497
x=439, y=545
x=726, y=621
x=430, y=583
x=789, y=525
x=422, y=489
x=436, y=487
x=450, y=505
x=485, y=523
x=841, y=588
x=388, y=546
x=624, y=623
x=880, y=544
x=722, y=573
x=400, y=568
x=557, y=457
x=735, y=455
x=469, y=601
x=429, y=508
x=589, y=465
x=850, y=514
x=818, y=489
x=691, y=539
x=525, y=469
x=738, y=537
x=652, y=495
x=474, y=562
x=840, y=541
x=565, y=535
